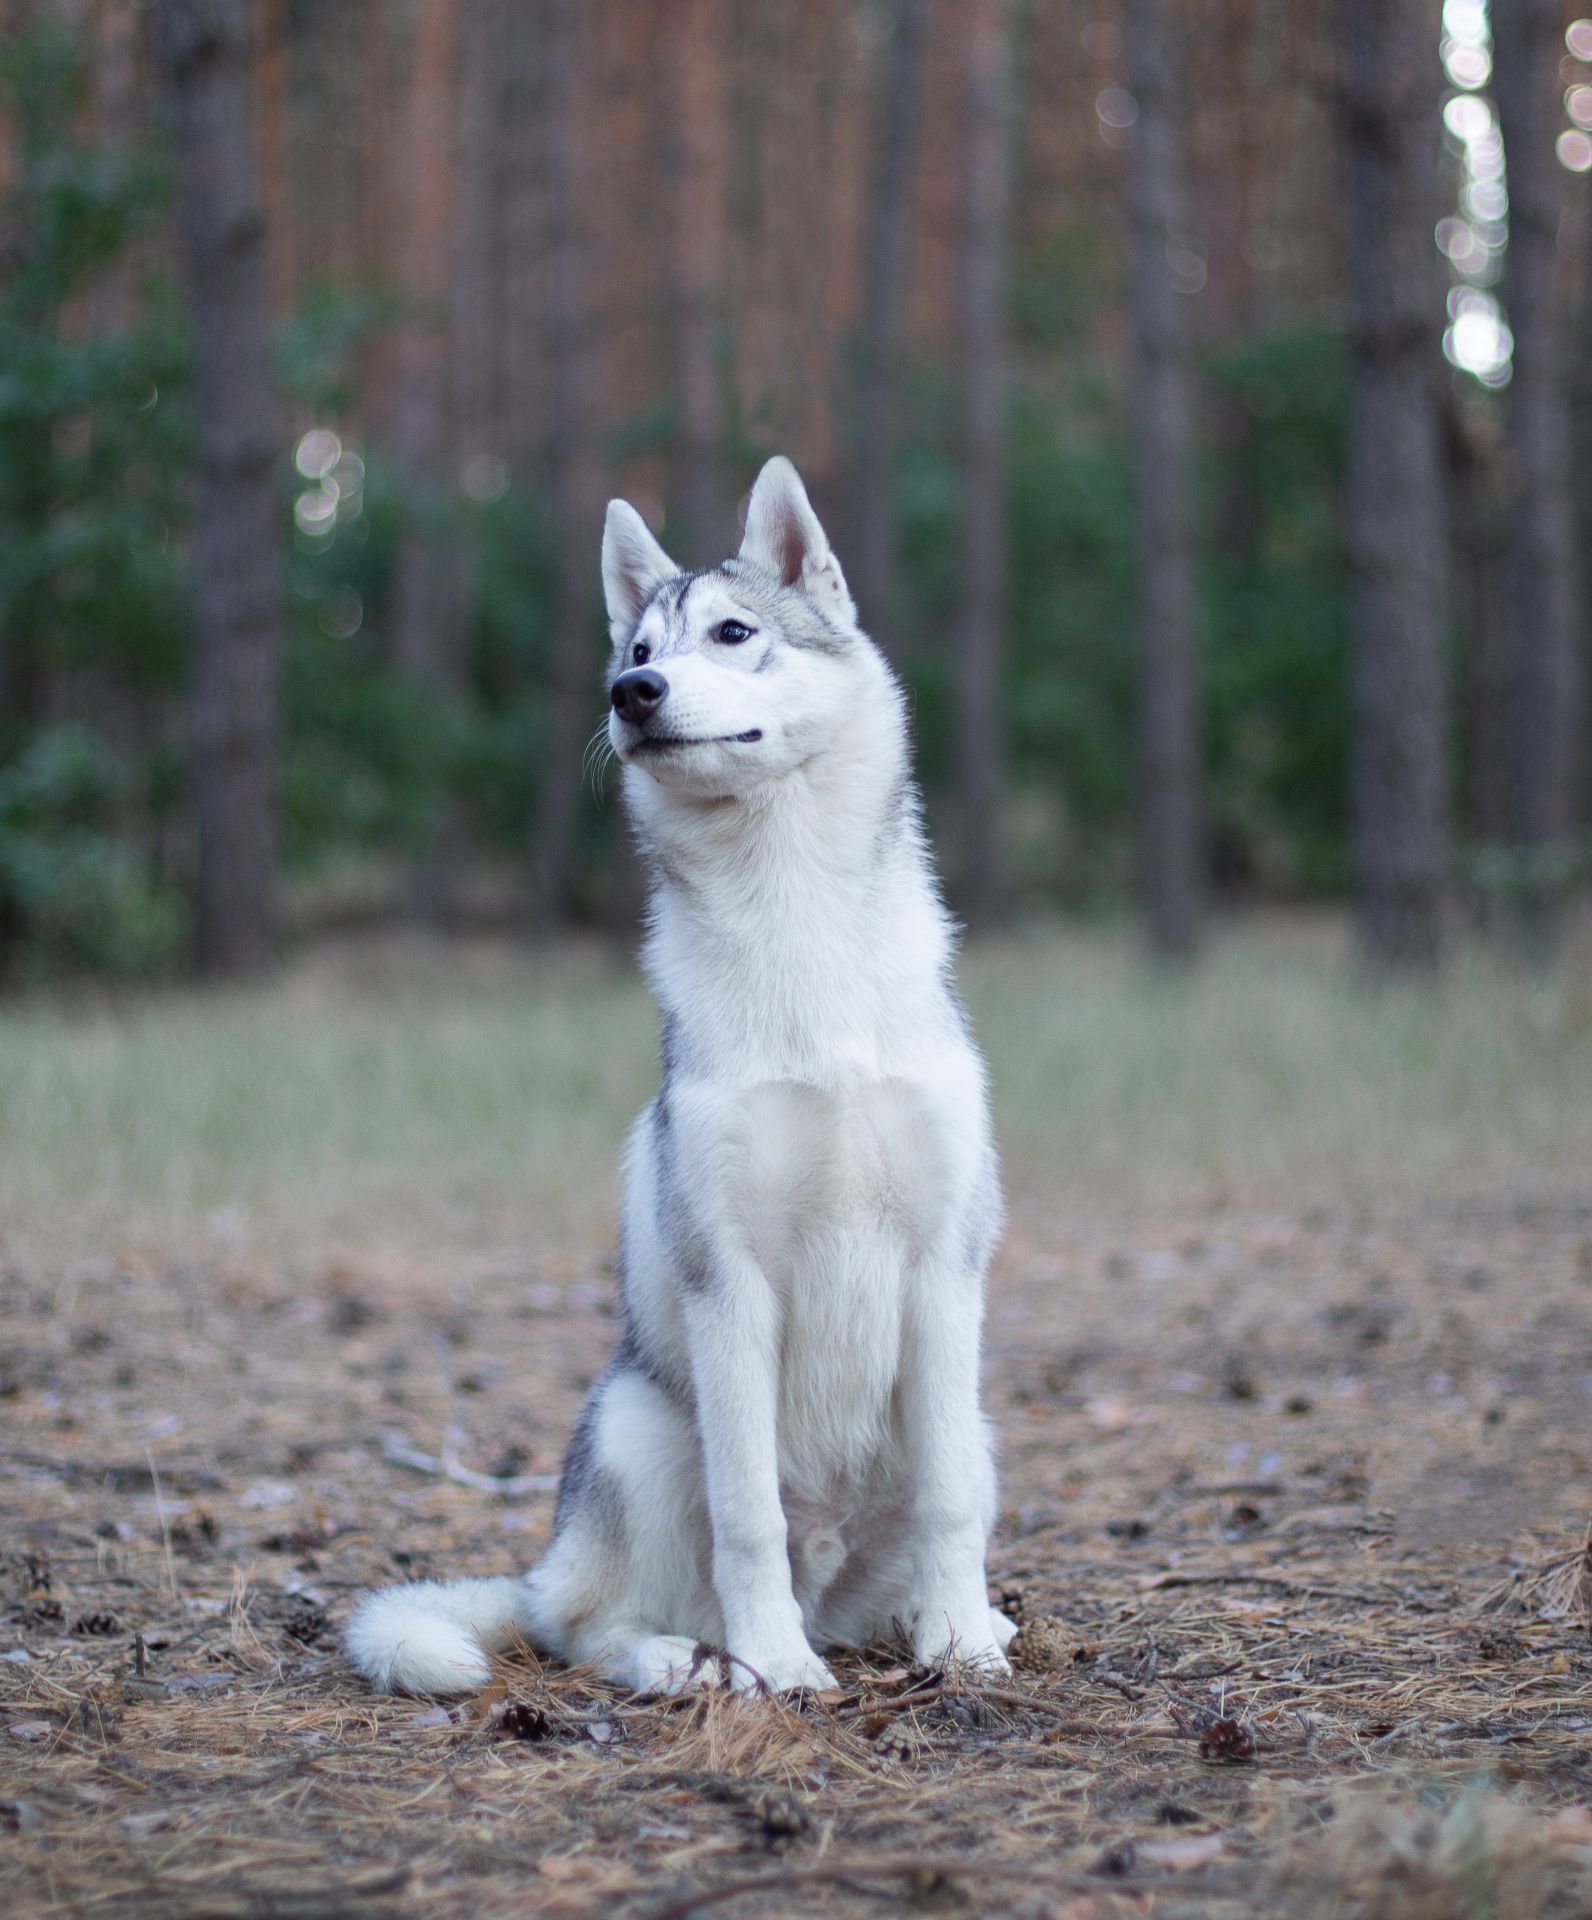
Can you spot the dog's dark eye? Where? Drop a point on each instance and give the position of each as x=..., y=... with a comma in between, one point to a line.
x=733, y=632
x=640, y=654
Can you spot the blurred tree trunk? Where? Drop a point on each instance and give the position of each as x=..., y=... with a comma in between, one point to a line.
x=1394, y=500
x=1539, y=593
x=1581, y=453
x=518, y=322
x=428, y=610
x=1473, y=471
x=473, y=348
x=886, y=230
x=575, y=477
x=204, y=55
x=118, y=114
x=420, y=641
x=361, y=43
x=271, y=74
x=984, y=245
x=690, y=65
x=1170, y=878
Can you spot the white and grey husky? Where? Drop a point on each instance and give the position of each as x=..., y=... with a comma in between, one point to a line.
x=786, y=1453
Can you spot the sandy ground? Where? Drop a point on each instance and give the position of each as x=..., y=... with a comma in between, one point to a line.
x=1293, y=1509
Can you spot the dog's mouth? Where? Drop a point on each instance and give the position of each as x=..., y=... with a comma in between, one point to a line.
x=668, y=742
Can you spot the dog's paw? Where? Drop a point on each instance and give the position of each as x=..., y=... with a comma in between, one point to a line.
x=794, y=1669
x=1004, y=1631
x=941, y=1640
x=669, y=1663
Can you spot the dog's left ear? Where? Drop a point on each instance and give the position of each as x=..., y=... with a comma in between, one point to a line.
x=783, y=536
x=634, y=567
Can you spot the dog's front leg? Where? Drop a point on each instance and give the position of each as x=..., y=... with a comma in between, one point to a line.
x=953, y=1475
x=734, y=1334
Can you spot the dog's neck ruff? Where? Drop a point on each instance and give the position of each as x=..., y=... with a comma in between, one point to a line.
x=798, y=933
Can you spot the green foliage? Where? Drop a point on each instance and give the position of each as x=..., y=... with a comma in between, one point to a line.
x=1274, y=640
x=1069, y=627
x=1277, y=660
x=1070, y=683
x=70, y=876
x=370, y=759
x=93, y=443
x=363, y=750
x=513, y=542
x=96, y=453
x=317, y=356
x=93, y=434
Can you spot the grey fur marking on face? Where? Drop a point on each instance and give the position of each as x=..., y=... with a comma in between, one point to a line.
x=784, y=613
x=798, y=620
x=675, y=633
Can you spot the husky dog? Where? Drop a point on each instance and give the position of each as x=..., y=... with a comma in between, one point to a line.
x=786, y=1452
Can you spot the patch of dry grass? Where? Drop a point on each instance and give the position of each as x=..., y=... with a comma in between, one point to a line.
x=1294, y=1505
x=417, y=1095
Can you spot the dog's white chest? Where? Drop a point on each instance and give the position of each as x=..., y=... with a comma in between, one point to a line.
x=837, y=1194
x=824, y=1177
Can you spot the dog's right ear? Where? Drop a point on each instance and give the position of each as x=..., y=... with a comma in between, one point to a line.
x=634, y=567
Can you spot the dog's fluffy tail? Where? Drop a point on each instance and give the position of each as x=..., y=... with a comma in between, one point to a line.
x=433, y=1636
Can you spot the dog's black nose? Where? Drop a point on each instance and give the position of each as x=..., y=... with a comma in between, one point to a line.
x=638, y=694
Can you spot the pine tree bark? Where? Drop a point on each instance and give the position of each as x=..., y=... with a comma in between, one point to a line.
x=575, y=478
x=421, y=642
x=984, y=249
x=1581, y=453
x=430, y=593
x=473, y=347
x=1170, y=878
x=692, y=41
x=1539, y=599
x=204, y=54
x=270, y=63
x=1472, y=491
x=881, y=338
x=1394, y=496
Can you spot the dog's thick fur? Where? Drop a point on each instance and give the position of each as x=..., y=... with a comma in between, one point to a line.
x=786, y=1452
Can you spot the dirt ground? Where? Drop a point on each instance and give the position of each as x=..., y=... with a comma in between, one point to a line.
x=1293, y=1511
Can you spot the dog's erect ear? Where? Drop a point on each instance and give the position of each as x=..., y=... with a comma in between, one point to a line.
x=783, y=537
x=634, y=567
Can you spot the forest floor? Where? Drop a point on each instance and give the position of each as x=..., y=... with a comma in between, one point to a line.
x=1296, y=1481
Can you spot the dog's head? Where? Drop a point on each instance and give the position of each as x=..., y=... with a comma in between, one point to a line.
x=724, y=680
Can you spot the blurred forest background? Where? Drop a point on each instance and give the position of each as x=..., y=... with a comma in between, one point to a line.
x=1196, y=391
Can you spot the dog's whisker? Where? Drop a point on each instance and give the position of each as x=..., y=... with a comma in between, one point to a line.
x=594, y=760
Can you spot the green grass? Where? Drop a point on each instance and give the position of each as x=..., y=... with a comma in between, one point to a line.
x=394, y=1092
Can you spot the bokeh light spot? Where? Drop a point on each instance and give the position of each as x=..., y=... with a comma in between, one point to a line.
x=1466, y=21
x=1466, y=117
x=340, y=613
x=485, y=477
x=1187, y=269
x=1466, y=66
x=1574, y=149
x=315, y=511
x=1117, y=108
x=317, y=452
x=1478, y=342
